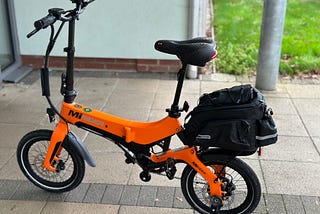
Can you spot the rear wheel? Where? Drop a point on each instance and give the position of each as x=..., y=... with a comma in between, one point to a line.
x=239, y=182
x=31, y=153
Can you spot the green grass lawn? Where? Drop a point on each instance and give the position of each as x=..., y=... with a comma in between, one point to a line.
x=237, y=32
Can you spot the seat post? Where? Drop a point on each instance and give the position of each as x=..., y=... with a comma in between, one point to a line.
x=174, y=110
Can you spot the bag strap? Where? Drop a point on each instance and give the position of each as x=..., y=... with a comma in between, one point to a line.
x=187, y=116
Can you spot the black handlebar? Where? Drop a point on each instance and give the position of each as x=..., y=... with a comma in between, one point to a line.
x=83, y=2
x=45, y=22
x=57, y=14
x=42, y=23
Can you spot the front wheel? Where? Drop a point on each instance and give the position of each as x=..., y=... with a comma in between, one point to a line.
x=240, y=183
x=31, y=153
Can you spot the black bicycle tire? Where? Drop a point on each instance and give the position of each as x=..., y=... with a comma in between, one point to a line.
x=22, y=156
x=252, y=181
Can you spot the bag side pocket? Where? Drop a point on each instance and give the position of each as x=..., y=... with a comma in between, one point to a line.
x=267, y=132
x=236, y=135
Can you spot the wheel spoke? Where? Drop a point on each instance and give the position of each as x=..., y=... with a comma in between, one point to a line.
x=36, y=157
x=239, y=182
x=31, y=153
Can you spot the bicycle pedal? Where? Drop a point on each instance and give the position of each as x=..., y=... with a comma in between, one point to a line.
x=170, y=169
x=171, y=172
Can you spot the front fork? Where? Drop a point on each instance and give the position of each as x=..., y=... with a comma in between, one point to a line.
x=189, y=156
x=54, y=149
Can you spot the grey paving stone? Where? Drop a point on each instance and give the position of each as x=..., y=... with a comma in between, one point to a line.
x=220, y=77
x=21, y=207
x=112, y=194
x=58, y=197
x=11, y=170
x=152, y=210
x=136, y=100
x=147, y=196
x=308, y=173
x=311, y=204
x=95, y=193
x=303, y=106
x=312, y=124
x=179, y=201
x=111, y=168
x=5, y=154
x=261, y=208
x=78, y=208
x=165, y=197
x=297, y=149
x=78, y=194
x=31, y=78
x=275, y=204
x=138, y=85
x=293, y=204
x=15, y=114
x=277, y=103
x=28, y=191
x=316, y=141
x=8, y=188
x=303, y=91
x=290, y=125
x=11, y=134
x=130, y=195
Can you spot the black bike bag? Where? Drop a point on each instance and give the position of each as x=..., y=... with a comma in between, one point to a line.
x=234, y=118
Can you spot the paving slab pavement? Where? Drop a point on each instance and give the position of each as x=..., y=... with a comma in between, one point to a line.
x=289, y=171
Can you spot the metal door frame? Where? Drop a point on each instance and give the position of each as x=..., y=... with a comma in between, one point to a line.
x=14, y=41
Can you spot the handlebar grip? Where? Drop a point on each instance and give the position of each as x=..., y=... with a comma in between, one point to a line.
x=44, y=22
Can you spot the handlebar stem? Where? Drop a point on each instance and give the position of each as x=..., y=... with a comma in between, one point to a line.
x=70, y=94
x=64, y=16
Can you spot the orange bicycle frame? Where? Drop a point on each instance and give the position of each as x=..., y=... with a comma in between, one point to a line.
x=143, y=133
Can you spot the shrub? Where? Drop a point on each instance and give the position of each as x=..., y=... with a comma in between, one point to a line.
x=237, y=26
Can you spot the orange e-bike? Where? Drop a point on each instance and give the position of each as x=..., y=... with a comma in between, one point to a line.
x=213, y=181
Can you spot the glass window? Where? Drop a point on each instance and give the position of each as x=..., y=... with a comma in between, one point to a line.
x=6, y=50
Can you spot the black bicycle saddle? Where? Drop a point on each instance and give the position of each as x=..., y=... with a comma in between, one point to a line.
x=197, y=51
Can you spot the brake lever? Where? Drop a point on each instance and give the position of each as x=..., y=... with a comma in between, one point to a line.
x=32, y=33
x=90, y=1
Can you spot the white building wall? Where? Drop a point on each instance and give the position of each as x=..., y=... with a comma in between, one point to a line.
x=108, y=29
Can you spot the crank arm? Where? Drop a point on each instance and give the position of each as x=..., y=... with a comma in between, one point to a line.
x=189, y=155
